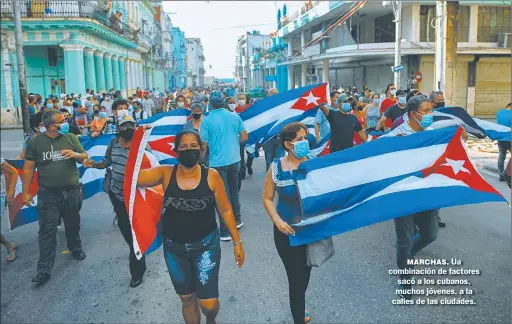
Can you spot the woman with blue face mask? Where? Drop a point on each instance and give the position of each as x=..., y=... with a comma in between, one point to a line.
x=279, y=179
x=100, y=119
x=372, y=112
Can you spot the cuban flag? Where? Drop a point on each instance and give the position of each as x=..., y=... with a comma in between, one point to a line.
x=344, y=191
x=457, y=116
x=165, y=128
x=267, y=117
x=144, y=205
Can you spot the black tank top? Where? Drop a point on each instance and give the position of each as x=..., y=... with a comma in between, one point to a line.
x=188, y=215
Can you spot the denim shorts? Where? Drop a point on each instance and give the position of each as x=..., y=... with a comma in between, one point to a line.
x=194, y=267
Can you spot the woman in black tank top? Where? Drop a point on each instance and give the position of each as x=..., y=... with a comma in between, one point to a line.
x=189, y=227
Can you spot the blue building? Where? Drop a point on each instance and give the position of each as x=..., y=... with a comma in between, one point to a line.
x=72, y=46
x=179, y=78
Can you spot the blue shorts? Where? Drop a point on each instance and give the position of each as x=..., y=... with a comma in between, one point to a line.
x=194, y=267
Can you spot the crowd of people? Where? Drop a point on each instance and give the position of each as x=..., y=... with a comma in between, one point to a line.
x=213, y=162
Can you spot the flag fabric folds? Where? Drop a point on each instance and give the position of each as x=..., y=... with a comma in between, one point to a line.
x=457, y=116
x=144, y=205
x=385, y=179
x=267, y=117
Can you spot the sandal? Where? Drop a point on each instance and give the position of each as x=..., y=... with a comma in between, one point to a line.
x=12, y=255
x=307, y=316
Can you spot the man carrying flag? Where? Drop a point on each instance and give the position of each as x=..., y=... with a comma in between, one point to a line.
x=55, y=153
x=343, y=125
x=420, y=117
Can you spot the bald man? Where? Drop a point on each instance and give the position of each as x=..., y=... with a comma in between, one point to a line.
x=271, y=92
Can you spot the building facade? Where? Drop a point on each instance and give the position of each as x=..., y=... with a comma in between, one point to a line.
x=179, y=77
x=71, y=46
x=248, y=71
x=360, y=50
x=195, y=62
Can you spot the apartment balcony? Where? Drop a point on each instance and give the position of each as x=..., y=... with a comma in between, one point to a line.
x=46, y=10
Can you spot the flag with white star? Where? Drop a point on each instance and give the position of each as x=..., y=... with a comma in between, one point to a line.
x=267, y=117
x=385, y=179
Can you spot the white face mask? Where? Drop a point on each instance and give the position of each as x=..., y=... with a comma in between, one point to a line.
x=231, y=107
x=42, y=129
x=181, y=104
x=241, y=102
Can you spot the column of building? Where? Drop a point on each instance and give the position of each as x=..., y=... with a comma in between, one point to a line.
x=109, y=79
x=74, y=68
x=115, y=72
x=90, y=71
x=122, y=77
x=99, y=71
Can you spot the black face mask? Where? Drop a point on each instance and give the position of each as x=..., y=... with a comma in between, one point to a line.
x=127, y=134
x=440, y=104
x=196, y=116
x=189, y=158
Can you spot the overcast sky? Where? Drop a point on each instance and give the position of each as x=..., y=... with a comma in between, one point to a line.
x=220, y=23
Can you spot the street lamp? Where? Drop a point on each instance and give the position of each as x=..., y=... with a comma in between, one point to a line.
x=397, y=11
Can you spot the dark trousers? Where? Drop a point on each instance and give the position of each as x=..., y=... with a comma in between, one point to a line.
x=243, y=168
x=137, y=267
x=52, y=204
x=229, y=175
x=503, y=147
x=297, y=271
x=250, y=157
x=408, y=243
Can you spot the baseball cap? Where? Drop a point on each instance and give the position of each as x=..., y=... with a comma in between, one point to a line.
x=342, y=98
x=217, y=97
x=76, y=95
x=124, y=117
x=63, y=95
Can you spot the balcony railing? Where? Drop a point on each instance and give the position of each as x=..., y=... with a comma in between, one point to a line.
x=69, y=9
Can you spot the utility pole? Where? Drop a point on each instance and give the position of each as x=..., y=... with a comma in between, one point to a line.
x=452, y=11
x=440, y=47
x=18, y=37
x=397, y=8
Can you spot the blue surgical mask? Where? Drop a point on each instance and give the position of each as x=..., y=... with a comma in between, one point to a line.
x=402, y=100
x=426, y=120
x=393, y=92
x=103, y=114
x=301, y=149
x=346, y=107
x=64, y=129
x=376, y=101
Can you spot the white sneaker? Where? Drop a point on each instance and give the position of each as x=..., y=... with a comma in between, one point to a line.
x=239, y=225
x=225, y=238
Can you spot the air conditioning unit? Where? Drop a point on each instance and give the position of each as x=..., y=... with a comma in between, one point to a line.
x=504, y=40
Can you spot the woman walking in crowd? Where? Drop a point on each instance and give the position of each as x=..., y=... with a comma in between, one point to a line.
x=279, y=178
x=100, y=120
x=5, y=200
x=116, y=156
x=189, y=227
x=372, y=112
x=138, y=113
x=197, y=116
x=242, y=103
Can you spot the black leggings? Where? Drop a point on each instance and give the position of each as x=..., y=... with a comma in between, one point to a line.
x=297, y=271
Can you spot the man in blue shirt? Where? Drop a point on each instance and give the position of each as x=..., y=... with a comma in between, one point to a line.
x=222, y=132
x=503, y=117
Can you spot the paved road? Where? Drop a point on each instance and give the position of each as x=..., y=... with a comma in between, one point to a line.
x=353, y=287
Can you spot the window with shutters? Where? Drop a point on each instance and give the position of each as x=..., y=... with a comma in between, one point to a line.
x=492, y=21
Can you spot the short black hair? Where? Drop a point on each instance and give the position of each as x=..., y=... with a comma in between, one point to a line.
x=412, y=93
x=177, y=140
x=76, y=104
x=118, y=103
x=64, y=110
x=415, y=103
x=334, y=93
x=401, y=93
x=180, y=96
x=289, y=132
x=36, y=119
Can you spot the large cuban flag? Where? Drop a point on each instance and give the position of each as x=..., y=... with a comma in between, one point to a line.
x=457, y=116
x=165, y=128
x=344, y=191
x=267, y=117
x=144, y=205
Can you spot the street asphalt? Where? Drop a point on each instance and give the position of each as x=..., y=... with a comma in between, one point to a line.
x=353, y=287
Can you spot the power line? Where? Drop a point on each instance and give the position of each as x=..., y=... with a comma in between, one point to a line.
x=245, y=26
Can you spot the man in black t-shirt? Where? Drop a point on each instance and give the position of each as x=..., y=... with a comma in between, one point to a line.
x=394, y=112
x=343, y=125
